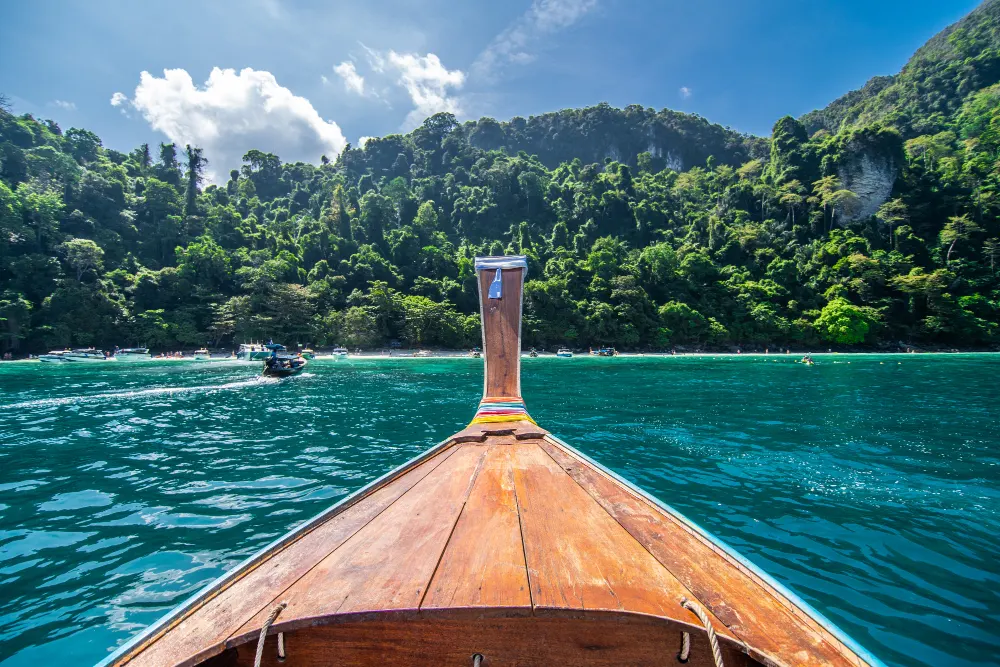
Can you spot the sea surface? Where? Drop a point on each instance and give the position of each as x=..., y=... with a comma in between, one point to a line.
x=869, y=484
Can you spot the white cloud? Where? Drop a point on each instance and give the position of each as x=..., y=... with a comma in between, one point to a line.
x=375, y=59
x=270, y=7
x=353, y=81
x=232, y=113
x=515, y=44
x=364, y=140
x=685, y=92
x=551, y=15
x=427, y=81
x=63, y=104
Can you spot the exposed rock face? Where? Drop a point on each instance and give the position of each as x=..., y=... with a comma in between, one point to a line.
x=871, y=178
x=671, y=159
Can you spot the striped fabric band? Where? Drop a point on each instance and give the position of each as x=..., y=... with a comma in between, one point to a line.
x=493, y=410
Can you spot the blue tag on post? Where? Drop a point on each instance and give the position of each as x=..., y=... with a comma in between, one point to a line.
x=496, y=287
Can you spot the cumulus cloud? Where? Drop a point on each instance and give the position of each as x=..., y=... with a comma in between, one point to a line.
x=363, y=141
x=353, y=81
x=515, y=44
x=63, y=104
x=232, y=113
x=684, y=92
x=427, y=81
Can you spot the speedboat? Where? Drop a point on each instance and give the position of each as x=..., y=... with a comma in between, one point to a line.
x=84, y=354
x=501, y=545
x=133, y=354
x=202, y=354
x=604, y=352
x=308, y=353
x=564, y=352
x=252, y=352
x=340, y=352
x=54, y=357
x=422, y=353
x=282, y=365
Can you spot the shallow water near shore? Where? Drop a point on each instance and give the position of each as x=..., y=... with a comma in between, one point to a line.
x=869, y=484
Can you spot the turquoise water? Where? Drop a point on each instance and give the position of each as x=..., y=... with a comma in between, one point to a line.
x=871, y=488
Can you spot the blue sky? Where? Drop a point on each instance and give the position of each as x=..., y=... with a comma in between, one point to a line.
x=308, y=76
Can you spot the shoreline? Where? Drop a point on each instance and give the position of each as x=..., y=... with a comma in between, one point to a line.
x=455, y=354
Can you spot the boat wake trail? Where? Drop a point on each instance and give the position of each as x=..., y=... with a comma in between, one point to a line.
x=140, y=393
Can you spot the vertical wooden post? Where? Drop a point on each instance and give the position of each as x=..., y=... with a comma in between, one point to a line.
x=500, y=309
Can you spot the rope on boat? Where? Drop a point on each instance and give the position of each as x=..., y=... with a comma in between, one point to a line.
x=712, y=638
x=685, y=647
x=263, y=634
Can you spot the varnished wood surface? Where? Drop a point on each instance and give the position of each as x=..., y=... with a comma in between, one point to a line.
x=483, y=564
x=440, y=640
x=502, y=333
x=509, y=526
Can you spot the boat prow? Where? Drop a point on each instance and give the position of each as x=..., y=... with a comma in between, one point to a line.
x=501, y=545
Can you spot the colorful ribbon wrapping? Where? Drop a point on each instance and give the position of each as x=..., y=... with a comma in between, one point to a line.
x=493, y=410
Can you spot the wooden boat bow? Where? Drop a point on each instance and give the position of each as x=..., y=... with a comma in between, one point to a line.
x=501, y=545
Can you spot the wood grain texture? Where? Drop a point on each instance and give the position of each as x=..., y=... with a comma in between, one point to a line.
x=484, y=562
x=581, y=640
x=578, y=556
x=752, y=611
x=389, y=563
x=502, y=333
x=507, y=544
x=203, y=632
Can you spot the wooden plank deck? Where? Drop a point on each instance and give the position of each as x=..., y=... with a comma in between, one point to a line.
x=516, y=527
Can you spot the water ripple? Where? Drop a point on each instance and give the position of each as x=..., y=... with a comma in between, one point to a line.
x=872, y=489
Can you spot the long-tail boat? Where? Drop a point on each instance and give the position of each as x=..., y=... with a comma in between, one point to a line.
x=501, y=545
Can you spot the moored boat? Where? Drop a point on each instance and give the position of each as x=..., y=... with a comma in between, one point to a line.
x=422, y=353
x=308, y=353
x=252, y=352
x=564, y=352
x=202, y=354
x=340, y=352
x=133, y=354
x=84, y=354
x=502, y=545
x=604, y=352
x=55, y=356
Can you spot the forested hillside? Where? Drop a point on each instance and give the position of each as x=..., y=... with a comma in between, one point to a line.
x=931, y=88
x=644, y=230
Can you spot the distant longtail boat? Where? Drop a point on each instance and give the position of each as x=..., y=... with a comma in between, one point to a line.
x=501, y=545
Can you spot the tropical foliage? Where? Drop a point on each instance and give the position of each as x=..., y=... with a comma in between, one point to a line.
x=643, y=229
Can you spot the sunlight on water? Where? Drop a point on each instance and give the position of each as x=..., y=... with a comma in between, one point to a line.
x=871, y=488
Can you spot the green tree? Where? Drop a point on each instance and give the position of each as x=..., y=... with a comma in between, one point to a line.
x=958, y=228
x=83, y=255
x=842, y=322
x=893, y=213
x=195, y=175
